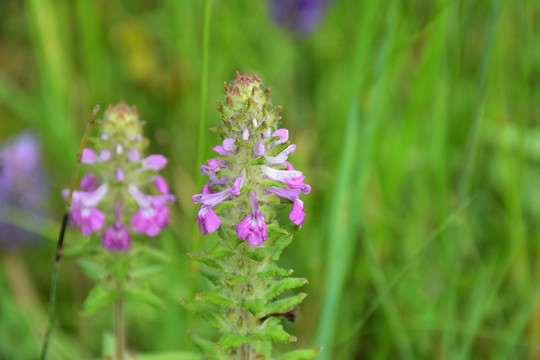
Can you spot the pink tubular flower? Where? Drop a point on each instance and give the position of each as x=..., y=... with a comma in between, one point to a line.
x=154, y=162
x=83, y=211
x=153, y=214
x=116, y=237
x=227, y=147
x=207, y=220
x=253, y=227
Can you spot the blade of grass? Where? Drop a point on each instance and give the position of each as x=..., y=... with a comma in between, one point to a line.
x=200, y=151
x=343, y=210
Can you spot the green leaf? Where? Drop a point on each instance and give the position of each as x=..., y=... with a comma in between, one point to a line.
x=93, y=268
x=300, y=354
x=144, y=295
x=219, y=253
x=97, y=299
x=256, y=254
x=213, y=298
x=208, y=313
x=229, y=341
x=271, y=330
x=203, y=258
x=279, y=286
x=272, y=270
x=255, y=307
x=284, y=304
x=280, y=244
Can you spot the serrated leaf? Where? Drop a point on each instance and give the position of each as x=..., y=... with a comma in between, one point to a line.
x=271, y=330
x=276, y=228
x=256, y=254
x=205, y=260
x=229, y=341
x=97, y=299
x=208, y=313
x=272, y=270
x=300, y=354
x=284, y=304
x=211, y=275
x=279, y=286
x=144, y=295
x=94, y=269
x=255, y=307
x=219, y=253
x=280, y=244
x=213, y=298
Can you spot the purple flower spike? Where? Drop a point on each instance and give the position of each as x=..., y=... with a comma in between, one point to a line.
x=207, y=220
x=116, y=237
x=253, y=227
x=154, y=162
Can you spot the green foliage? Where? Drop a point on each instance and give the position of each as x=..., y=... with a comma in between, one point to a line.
x=243, y=291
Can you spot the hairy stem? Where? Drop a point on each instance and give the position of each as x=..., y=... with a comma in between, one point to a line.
x=119, y=330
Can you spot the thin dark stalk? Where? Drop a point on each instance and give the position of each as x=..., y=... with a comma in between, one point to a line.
x=60, y=243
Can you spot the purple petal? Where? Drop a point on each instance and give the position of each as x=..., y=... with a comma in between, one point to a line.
x=88, y=156
x=88, y=182
x=161, y=185
x=154, y=162
x=297, y=213
x=120, y=175
x=116, y=237
x=245, y=135
x=133, y=155
x=259, y=149
x=207, y=220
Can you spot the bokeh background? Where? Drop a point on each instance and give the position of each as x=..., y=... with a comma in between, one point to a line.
x=416, y=124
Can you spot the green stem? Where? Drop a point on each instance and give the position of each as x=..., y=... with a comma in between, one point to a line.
x=119, y=329
x=200, y=148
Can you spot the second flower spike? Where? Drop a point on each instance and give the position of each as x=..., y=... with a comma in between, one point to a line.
x=122, y=192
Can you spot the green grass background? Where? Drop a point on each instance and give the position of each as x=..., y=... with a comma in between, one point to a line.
x=415, y=123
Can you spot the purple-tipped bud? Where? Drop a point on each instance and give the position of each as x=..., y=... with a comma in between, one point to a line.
x=116, y=237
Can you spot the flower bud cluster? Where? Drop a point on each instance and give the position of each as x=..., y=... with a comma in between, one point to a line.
x=122, y=185
x=252, y=174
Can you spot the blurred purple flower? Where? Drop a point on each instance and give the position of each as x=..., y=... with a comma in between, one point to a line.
x=299, y=16
x=21, y=186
